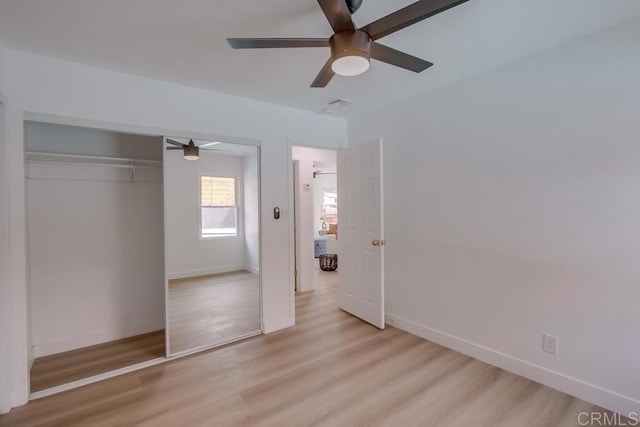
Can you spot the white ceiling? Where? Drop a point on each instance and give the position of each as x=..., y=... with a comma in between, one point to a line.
x=184, y=41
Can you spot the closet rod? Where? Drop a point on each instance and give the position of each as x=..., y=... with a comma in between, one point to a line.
x=110, y=165
x=87, y=157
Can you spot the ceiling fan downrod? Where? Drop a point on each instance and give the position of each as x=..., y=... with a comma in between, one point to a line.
x=354, y=5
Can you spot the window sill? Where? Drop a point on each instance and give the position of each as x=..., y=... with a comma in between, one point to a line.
x=220, y=236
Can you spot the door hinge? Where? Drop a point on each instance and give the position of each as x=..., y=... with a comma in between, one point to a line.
x=294, y=225
x=295, y=273
x=294, y=177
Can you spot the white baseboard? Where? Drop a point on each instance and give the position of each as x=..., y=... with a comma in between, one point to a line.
x=98, y=337
x=204, y=271
x=253, y=269
x=581, y=389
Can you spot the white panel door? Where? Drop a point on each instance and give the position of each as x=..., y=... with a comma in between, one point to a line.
x=360, y=232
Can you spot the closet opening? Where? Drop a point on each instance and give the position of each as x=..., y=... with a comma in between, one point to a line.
x=95, y=236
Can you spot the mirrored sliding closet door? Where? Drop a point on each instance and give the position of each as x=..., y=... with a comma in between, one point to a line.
x=212, y=243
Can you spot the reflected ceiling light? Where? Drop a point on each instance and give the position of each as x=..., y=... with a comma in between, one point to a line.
x=350, y=52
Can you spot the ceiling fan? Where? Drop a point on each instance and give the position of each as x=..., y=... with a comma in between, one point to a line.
x=191, y=150
x=352, y=47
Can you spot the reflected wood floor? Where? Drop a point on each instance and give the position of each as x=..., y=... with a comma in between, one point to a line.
x=210, y=309
x=331, y=369
x=62, y=368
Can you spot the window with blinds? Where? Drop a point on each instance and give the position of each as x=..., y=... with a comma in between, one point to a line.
x=218, y=206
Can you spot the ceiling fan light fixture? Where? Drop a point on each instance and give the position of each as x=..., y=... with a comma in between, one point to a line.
x=350, y=65
x=191, y=152
x=350, y=52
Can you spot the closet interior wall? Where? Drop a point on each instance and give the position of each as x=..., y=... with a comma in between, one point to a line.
x=95, y=236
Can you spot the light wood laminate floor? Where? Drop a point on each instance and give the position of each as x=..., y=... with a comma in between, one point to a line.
x=331, y=369
x=210, y=309
x=62, y=368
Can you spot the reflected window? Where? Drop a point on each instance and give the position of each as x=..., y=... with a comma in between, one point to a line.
x=219, y=212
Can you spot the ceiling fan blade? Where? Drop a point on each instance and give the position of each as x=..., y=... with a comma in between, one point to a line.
x=324, y=76
x=399, y=59
x=273, y=43
x=171, y=141
x=175, y=148
x=409, y=15
x=216, y=149
x=338, y=15
x=208, y=144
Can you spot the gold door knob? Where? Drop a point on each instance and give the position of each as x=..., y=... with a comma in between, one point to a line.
x=377, y=242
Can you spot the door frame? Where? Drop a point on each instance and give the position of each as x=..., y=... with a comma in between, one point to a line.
x=295, y=213
x=291, y=218
x=5, y=250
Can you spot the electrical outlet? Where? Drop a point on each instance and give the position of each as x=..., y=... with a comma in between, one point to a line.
x=550, y=344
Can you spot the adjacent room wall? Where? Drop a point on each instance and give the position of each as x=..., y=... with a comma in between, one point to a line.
x=95, y=240
x=306, y=232
x=512, y=209
x=188, y=255
x=41, y=85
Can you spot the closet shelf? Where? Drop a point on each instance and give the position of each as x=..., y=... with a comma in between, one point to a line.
x=85, y=160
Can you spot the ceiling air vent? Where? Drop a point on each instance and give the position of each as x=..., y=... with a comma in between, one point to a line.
x=340, y=103
x=335, y=105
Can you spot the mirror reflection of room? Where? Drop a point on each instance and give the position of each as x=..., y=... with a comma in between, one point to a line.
x=212, y=243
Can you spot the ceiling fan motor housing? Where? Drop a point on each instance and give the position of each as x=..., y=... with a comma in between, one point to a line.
x=191, y=152
x=350, y=43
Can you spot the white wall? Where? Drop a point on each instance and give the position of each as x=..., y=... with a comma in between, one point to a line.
x=305, y=226
x=43, y=85
x=95, y=242
x=5, y=295
x=188, y=255
x=252, y=212
x=2, y=65
x=512, y=209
